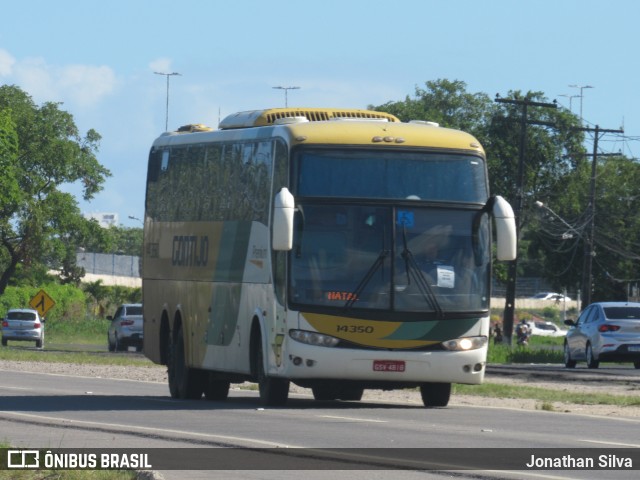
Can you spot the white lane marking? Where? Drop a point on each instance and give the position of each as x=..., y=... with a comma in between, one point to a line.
x=372, y=420
x=129, y=428
x=4, y=387
x=618, y=444
x=97, y=377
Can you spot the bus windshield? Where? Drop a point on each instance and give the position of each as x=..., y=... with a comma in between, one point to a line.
x=393, y=258
x=429, y=176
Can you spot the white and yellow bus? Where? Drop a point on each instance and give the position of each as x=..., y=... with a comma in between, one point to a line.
x=340, y=250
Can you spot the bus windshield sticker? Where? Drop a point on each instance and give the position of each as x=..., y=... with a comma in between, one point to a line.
x=405, y=217
x=446, y=276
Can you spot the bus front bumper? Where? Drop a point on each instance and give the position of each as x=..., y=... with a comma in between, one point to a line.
x=313, y=362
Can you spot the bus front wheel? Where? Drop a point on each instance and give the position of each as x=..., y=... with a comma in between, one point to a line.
x=435, y=394
x=273, y=391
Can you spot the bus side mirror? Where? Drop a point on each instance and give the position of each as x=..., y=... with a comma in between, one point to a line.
x=282, y=225
x=506, y=238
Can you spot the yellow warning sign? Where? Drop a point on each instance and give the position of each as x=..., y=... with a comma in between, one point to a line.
x=42, y=302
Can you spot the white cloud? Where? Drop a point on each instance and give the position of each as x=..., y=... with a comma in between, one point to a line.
x=6, y=63
x=34, y=77
x=82, y=86
x=86, y=84
x=161, y=65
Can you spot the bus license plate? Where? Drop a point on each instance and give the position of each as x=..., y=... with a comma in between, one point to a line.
x=388, y=365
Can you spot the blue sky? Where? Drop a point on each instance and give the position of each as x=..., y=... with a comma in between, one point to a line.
x=98, y=58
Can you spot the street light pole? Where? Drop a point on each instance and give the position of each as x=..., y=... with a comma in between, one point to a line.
x=581, y=87
x=570, y=97
x=286, y=91
x=166, y=123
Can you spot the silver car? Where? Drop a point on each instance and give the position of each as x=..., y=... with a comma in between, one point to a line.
x=604, y=332
x=23, y=324
x=125, y=329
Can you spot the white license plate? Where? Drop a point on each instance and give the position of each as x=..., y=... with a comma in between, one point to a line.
x=389, y=365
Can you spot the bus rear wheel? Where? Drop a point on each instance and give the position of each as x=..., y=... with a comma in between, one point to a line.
x=216, y=389
x=435, y=394
x=273, y=391
x=184, y=382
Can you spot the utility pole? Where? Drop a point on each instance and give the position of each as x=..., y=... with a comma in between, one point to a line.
x=510, y=300
x=589, y=252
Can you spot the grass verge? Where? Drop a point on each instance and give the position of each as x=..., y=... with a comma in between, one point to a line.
x=546, y=395
x=29, y=355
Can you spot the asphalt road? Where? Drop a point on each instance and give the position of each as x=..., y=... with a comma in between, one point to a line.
x=55, y=411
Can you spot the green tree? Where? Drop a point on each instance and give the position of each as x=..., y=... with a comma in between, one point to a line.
x=445, y=102
x=40, y=223
x=617, y=228
x=561, y=249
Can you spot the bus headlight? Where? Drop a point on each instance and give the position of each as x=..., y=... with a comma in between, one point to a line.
x=465, y=343
x=313, y=338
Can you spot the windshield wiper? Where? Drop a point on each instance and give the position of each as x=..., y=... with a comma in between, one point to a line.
x=414, y=270
x=367, y=277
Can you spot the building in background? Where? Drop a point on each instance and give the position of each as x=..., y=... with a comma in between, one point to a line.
x=105, y=219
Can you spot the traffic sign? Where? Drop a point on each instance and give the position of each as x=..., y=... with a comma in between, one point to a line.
x=42, y=302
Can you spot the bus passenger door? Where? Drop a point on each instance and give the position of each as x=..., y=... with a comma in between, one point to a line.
x=280, y=311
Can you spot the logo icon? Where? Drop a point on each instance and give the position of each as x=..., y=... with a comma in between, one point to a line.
x=23, y=459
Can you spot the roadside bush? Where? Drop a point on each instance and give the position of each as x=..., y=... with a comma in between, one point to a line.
x=74, y=318
x=69, y=301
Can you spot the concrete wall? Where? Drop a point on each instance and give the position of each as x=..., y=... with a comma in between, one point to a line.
x=109, y=264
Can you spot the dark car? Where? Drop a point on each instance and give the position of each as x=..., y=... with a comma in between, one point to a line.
x=604, y=332
x=126, y=328
x=23, y=324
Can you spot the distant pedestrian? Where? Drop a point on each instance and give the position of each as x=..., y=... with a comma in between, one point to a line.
x=497, y=334
x=523, y=332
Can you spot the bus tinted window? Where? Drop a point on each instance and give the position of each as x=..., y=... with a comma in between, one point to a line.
x=391, y=175
x=212, y=182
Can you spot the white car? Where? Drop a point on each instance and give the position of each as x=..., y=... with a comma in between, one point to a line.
x=546, y=329
x=558, y=297
x=23, y=324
